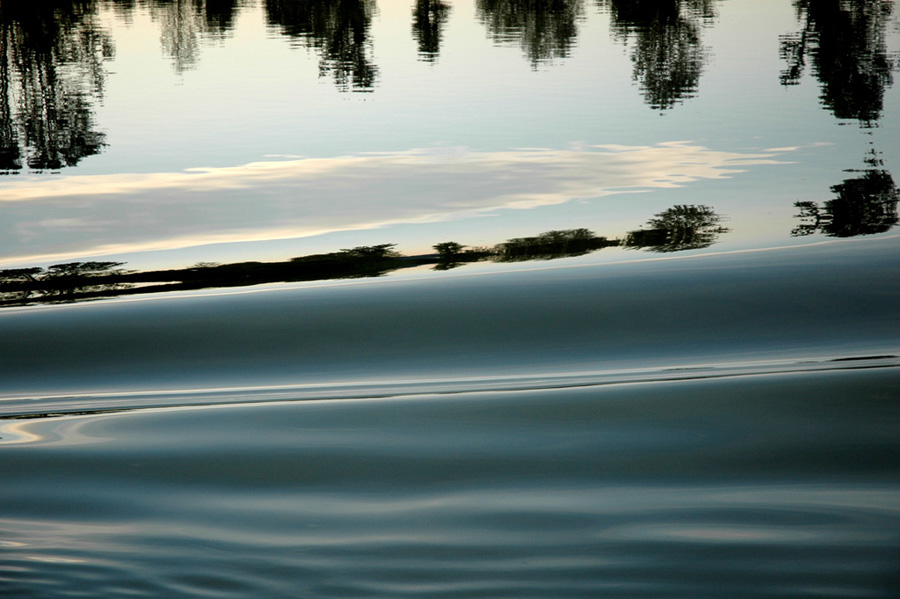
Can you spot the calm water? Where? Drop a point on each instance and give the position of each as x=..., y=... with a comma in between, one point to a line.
x=358, y=298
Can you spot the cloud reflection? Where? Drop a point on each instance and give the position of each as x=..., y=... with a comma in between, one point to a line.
x=74, y=216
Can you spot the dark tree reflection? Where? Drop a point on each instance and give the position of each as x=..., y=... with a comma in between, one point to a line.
x=551, y=245
x=678, y=228
x=864, y=205
x=668, y=55
x=545, y=29
x=219, y=15
x=60, y=282
x=338, y=30
x=845, y=40
x=429, y=17
x=51, y=71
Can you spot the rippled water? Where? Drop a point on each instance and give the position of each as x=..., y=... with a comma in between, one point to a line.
x=351, y=298
x=558, y=432
x=782, y=485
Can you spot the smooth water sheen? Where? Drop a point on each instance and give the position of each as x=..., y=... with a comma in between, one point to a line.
x=553, y=433
x=421, y=298
x=777, y=486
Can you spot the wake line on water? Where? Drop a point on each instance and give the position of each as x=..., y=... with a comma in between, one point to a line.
x=96, y=404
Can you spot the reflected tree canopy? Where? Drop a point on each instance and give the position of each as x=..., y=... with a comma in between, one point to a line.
x=51, y=72
x=683, y=227
x=550, y=245
x=679, y=228
x=77, y=281
x=845, y=40
x=864, y=205
x=337, y=30
x=219, y=15
x=61, y=282
x=545, y=29
x=667, y=53
x=185, y=23
x=429, y=18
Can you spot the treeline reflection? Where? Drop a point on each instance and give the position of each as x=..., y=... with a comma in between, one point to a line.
x=864, y=205
x=51, y=72
x=52, y=53
x=676, y=229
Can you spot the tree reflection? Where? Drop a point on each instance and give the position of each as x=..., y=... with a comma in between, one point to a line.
x=338, y=30
x=76, y=281
x=679, y=228
x=846, y=43
x=864, y=205
x=184, y=23
x=219, y=15
x=450, y=255
x=683, y=227
x=61, y=282
x=545, y=29
x=429, y=17
x=551, y=245
x=51, y=70
x=668, y=55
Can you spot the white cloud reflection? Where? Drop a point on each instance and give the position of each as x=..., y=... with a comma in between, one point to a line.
x=71, y=217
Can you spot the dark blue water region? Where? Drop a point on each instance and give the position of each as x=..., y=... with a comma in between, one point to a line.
x=750, y=486
x=838, y=299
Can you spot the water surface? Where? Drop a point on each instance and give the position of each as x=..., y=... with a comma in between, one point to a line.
x=387, y=298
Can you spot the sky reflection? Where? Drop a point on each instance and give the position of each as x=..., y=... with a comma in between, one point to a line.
x=144, y=129
x=68, y=216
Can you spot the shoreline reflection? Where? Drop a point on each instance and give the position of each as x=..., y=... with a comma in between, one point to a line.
x=677, y=229
x=53, y=55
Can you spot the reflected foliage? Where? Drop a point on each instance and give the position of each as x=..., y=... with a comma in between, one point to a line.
x=546, y=246
x=219, y=15
x=337, y=30
x=679, y=228
x=60, y=282
x=667, y=53
x=450, y=255
x=51, y=72
x=361, y=261
x=865, y=205
x=845, y=41
x=184, y=23
x=683, y=227
x=429, y=17
x=550, y=245
x=545, y=29
x=75, y=281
